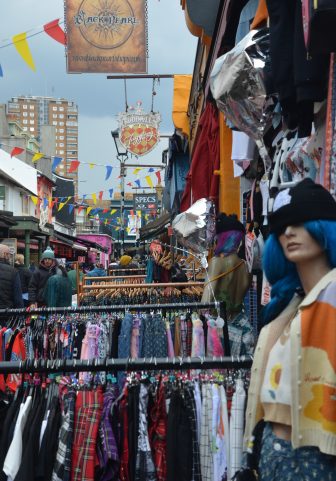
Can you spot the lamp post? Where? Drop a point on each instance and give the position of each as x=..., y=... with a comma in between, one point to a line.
x=122, y=155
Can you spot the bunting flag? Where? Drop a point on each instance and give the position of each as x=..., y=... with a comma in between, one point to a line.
x=34, y=199
x=16, y=151
x=71, y=208
x=50, y=203
x=111, y=193
x=45, y=203
x=132, y=213
x=54, y=31
x=91, y=165
x=80, y=208
x=105, y=211
x=109, y=169
x=113, y=211
x=21, y=45
x=137, y=170
x=158, y=175
x=88, y=210
x=56, y=162
x=101, y=193
x=1, y=72
x=149, y=181
x=151, y=169
x=129, y=184
x=61, y=205
x=37, y=157
x=74, y=164
x=137, y=182
x=94, y=198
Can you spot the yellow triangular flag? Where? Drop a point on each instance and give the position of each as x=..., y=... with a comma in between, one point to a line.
x=149, y=181
x=91, y=165
x=21, y=45
x=34, y=199
x=94, y=198
x=88, y=210
x=137, y=170
x=61, y=205
x=113, y=211
x=37, y=157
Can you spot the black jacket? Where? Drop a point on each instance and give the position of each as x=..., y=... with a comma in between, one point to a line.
x=25, y=276
x=38, y=282
x=10, y=287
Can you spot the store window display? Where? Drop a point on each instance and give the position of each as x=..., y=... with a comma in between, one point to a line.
x=294, y=370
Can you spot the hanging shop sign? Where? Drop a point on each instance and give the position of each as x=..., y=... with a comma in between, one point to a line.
x=138, y=131
x=134, y=224
x=145, y=201
x=106, y=36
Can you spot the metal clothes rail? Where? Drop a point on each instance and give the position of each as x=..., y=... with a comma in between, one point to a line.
x=139, y=364
x=109, y=308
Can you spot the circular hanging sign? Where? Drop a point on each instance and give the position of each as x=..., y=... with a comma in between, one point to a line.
x=105, y=23
x=138, y=131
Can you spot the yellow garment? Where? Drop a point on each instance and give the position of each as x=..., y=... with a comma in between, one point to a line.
x=182, y=86
x=125, y=260
x=261, y=15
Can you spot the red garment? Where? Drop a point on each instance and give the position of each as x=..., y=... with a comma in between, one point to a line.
x=157, y=432
x=124, y=459
x=88, y=411
x=201, y=181
x=18, y=354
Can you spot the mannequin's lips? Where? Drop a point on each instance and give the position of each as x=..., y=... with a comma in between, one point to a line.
x=292, y=246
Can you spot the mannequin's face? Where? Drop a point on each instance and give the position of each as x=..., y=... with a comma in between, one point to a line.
x=299, y=246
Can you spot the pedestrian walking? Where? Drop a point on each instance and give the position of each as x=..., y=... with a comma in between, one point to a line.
x=25, y=275
x=40, y=277
x=58, y=290
x=10, y=285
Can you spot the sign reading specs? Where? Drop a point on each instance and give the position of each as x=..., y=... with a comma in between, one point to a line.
x=106, y=36
x=138, y=131
x=145, y=201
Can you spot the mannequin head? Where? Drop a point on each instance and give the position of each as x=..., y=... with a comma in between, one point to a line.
x=315, y=238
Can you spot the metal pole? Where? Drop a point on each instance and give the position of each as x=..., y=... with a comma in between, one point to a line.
x=122, y=204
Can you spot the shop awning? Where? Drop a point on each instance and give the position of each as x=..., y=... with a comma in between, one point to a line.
x=156, y=227
x=79, y=247
x=83, y=242
x=59, y=238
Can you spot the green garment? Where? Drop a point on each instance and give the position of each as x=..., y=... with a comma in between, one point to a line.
x=72, y=276
x=58, y=291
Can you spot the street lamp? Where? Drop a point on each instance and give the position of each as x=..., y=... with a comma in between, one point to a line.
x=122, y=155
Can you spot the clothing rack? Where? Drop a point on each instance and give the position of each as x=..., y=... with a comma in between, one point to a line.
x=144, y=286
x=140, y=364
x=109, y=308
x=113, y=308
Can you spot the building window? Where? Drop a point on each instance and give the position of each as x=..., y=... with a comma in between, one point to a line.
x=25, y=114
x=61, y=131
x=61, y=123
x=25, y=122
x=61, y=137
x=25, y=129
x=24, y=107
x=61, y=152
x=61, y=145
x=32, y=114
x=61, y=109
x=31, y=122
x=61, y=116
x=32, y=107
x=32, y=129
x=54, y=108
x=54, y=116
x=54, y=122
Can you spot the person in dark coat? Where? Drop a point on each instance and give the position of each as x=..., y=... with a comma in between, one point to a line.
x=58, y=290
x=38, y=282
x=25, y=276
x=10, y=285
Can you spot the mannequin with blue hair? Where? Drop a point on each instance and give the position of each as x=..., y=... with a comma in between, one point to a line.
x=293, y=383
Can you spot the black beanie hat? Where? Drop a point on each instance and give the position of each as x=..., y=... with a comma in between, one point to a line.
x=228, y=222
x=302, y=203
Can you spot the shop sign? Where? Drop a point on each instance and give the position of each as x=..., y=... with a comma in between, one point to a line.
x=138, y=131
x=106, y=36
x=145, y=201
x=134, y=224
x=12, y=244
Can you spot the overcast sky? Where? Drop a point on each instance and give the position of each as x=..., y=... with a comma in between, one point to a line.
x=172, y=50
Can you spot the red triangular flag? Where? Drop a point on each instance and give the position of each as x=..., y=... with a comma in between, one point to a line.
x=16, y=151
x=54, y=31
x=101, y=195
x=130, y=184
x=105, y=211
x=80, y=208
x=158, y=175
x=74, y=164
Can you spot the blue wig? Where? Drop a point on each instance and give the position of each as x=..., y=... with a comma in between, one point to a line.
x=282, y=274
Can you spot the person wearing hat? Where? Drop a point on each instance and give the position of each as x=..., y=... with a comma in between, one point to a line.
x=293, y=381
x=39, y=279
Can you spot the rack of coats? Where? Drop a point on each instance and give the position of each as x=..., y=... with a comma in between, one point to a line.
x=157, y=426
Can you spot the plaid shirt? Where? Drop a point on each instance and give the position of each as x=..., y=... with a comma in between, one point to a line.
x=158, y=434
x=62, y=466
x=87, y=416
x=192, y=415
x=107, y=449
x=206, y=434
x=124, y=452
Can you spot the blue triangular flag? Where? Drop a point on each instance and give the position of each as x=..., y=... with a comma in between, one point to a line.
x=137, y=182
x=111, y=193
x=45, y=203
x=151, y=169
x=56, y=162
x=109, y=169
x=1, y=72
x=71, y=208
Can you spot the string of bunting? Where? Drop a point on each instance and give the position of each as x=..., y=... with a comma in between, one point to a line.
x=20, y=41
